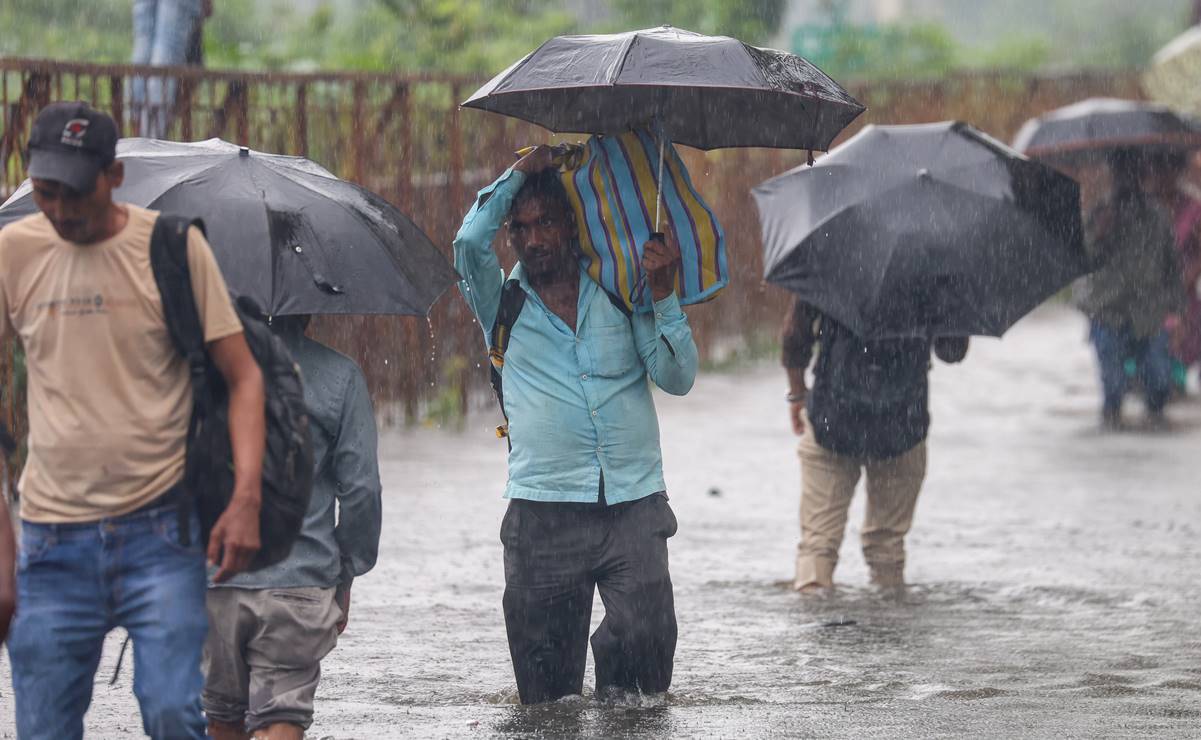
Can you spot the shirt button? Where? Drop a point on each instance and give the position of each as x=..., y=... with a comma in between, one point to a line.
x=584, y=376
x=594, y=413
x=598, y=449
x=658, y=316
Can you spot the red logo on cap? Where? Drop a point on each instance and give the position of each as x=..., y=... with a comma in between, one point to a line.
x=74, y=131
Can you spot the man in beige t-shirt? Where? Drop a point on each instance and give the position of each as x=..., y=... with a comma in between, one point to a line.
x=109, y=405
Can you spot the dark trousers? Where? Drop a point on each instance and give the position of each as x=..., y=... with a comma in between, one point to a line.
x=556, y=554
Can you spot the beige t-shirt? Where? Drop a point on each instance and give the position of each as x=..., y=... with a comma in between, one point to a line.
x=109, y=395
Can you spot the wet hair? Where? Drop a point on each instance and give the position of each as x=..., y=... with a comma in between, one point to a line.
x=545, y=186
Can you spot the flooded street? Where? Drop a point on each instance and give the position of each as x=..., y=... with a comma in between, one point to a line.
x=1054, y=570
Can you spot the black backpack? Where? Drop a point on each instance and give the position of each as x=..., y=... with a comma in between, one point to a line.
x=288, y=455
x=869, y=398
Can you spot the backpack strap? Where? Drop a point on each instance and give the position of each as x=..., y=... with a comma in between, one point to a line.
x=619, y=304
x=512, y=300
x=169, y=263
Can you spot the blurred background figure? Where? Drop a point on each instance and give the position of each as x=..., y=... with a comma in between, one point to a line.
x=1134, y=291
x=1164, y=177
x=165, y=33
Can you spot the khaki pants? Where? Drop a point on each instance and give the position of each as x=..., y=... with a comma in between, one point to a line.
x=262, y=659
x=827, y=484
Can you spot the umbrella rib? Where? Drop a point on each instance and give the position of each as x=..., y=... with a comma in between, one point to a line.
x=520, y=66
x=202, y=170
x=400, y=267
x=615, y=69
x=269, y=309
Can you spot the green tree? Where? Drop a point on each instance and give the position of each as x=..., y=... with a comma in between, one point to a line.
x=752, y=21
x=66, y=29
x=450, y=35
x=883, y=52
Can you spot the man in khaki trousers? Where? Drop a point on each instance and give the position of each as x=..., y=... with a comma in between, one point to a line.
x=868, y=412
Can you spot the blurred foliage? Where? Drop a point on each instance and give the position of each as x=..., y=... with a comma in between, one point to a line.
x=752, y=21
x=1017, y=35
x=925, y=50
x=484, y=36
x=66, y=29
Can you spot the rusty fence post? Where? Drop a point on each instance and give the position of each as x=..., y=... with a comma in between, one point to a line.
x=301, y=135
x=358, y=149
x=242, y=110
x=404, y=168
x=117, y=93
x=183, y=107
x=456, y=152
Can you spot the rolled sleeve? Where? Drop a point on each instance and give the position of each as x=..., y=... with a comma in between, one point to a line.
x=798, y=336
x=355, y=468
x=474, y=259
x=666, y=346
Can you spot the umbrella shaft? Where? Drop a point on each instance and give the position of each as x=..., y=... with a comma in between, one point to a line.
x=659, y=181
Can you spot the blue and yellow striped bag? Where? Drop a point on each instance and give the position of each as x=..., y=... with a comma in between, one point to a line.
x=611, y=182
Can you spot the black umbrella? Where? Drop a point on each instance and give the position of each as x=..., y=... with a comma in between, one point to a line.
x=704, y=91
x=285, y=231
x=1099, y=125
x=928, y=230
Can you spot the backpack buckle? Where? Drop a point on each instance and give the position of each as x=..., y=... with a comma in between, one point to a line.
x=496, y=357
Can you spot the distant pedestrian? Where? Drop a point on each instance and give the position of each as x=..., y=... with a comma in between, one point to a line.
x=588, y=505
x=272, y=627
x=1134, y=291
x=110, y=399
x=868, y=413
x=1163, y=176
x=162, y=34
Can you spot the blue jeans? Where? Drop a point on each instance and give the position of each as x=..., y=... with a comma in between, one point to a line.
x=1152, y=354
x=75, y=583
x=161, y=30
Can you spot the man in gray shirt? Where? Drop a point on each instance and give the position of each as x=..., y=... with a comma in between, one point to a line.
x=271, y=628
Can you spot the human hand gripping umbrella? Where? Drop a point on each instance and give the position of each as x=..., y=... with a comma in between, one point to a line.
x=286, y=232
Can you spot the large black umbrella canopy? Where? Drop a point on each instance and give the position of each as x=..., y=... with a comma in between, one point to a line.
x=705, y=91
x=925, y=230
x=285, y=231
x=1099, y=125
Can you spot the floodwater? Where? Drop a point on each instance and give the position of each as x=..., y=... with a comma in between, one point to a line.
x=1054, y=570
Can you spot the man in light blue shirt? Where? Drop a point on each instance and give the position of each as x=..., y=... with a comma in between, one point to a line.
x=588, y=507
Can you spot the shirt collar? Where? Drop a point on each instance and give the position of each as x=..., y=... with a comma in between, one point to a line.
x=587, y=285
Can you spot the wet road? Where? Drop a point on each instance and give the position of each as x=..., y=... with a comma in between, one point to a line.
x=1054, y=569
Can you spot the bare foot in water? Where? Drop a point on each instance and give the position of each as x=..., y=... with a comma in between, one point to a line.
x=815, y=590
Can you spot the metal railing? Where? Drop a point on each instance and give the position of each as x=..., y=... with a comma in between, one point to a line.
x=404, y=136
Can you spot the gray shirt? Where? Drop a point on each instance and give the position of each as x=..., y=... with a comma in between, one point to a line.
x=340, y=537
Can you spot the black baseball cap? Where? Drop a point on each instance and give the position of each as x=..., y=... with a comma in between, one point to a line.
x=70, y=143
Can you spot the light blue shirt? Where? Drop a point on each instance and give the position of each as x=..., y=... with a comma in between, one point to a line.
x=578, y=402
x=340, y=536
